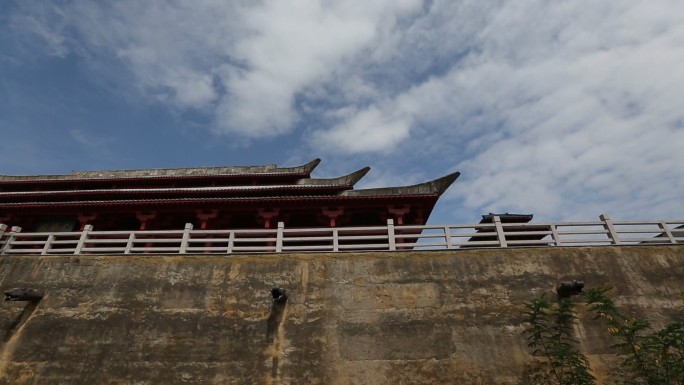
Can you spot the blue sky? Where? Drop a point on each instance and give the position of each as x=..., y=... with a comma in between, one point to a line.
x=561, y=109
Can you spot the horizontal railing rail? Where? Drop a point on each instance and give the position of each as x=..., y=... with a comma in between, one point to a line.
x=390, y=237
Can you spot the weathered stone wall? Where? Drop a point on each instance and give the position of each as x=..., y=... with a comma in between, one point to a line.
x=367, y=318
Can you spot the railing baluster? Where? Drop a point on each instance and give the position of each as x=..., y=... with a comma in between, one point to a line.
x=84, y=237
x=231, y=242
x=336, y=239
x=447, y=237
x=608, y=225
x=667, y=232
x=48, y=243
x=391, y=240
x=554, y=234
x=279, y=237
x=129, y=244
x=3, y=228
x=185, y=239
x=500, y=232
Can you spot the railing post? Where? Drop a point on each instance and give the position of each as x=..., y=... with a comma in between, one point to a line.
x=500, y=232
x=84, y=237
x=391, y=240
x=447, y=237
x=48, y=243
x=608, y=224
x=667, y=232
x=336, y=239
x=231, y=241
x=12, y=236
x=279, y=237
x=129, y=244
x=3, y=228
x=554, y=234
x=185, y=239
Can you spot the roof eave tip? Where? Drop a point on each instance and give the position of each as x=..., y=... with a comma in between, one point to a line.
x=442, y=184
x=309, y=167
x=358, y=175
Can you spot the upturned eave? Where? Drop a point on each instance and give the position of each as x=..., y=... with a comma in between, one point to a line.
x=345, y=180
x=434, y=187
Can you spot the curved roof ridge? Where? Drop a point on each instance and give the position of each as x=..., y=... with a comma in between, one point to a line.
x=345, y=180
x=303, y=169
x=164, y=189
x=169, y=172
x=437, y=186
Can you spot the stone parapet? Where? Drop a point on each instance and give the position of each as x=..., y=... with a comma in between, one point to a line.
x=432, y=317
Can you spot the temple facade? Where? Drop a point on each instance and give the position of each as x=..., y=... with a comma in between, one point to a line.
x=240, y=197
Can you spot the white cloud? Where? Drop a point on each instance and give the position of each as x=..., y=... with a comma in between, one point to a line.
x=564, y=111
x=245, y=64
x=596, y=124
x=90, y=140
x=293, y=45
x=559, y=108
x=366, y=131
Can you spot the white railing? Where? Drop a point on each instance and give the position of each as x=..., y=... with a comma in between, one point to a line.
x=372, y=238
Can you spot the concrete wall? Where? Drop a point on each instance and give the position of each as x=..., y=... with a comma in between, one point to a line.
x=451, y=317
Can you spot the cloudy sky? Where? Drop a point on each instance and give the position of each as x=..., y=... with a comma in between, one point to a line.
x=564, y=109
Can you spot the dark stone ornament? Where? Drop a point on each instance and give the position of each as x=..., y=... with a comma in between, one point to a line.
x=567, y=289
x=21, y=294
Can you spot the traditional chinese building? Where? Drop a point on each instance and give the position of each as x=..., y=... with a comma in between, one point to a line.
x=77, y=313
x=241, y=197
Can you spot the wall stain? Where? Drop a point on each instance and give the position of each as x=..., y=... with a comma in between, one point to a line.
x=275, y=335
x=13, y=334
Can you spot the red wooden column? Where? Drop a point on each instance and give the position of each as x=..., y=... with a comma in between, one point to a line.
x=204, y=216
x=85, y=219
x=146, y=218
x=268, y=215
x=399, y=213
x=333, y=215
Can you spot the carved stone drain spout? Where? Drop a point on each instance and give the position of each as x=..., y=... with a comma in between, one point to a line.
x=20, y=294
x=277, y=309
x=32, y=298
x=566, y=289
x=279, y=295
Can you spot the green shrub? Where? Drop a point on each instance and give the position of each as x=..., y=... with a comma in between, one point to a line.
x=647, y=357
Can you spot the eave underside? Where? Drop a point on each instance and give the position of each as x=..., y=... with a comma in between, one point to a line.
x=174, y=193
x=225, y=212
